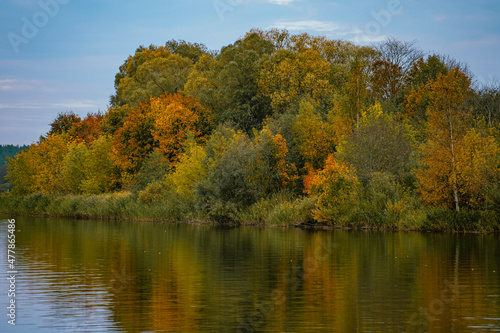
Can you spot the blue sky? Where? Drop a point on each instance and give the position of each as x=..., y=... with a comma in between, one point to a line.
x=60, y=55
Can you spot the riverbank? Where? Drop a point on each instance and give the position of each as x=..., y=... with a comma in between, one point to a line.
x=279, y=211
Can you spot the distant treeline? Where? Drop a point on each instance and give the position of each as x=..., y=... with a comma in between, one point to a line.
x=278, y=129
x=7, y=151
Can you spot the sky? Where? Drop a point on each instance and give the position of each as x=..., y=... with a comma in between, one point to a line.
x=63, y=55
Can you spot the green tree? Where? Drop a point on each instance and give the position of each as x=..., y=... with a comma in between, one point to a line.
x=380, y=144
x=154, y=169
x=227, y=85
x=151, y=72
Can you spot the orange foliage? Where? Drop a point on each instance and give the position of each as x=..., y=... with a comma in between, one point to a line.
x=175, y=116
x=162, y=123
x=335, y=189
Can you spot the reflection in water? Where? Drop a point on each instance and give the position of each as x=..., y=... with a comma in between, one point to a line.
x=94, y=276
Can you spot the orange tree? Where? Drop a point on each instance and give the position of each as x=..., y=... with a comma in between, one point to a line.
x=163, y=123
x=448, y=121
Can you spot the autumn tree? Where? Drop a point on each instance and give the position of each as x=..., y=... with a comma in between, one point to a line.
x=64, y=123
x=151, y=72
x=73, y=173
x=228, y=84
x=161, y=123
x=175, y=117
x=191, y=169
x=335, y=189
x=315, y=136
x=399, y=53
x=478, y=168
x=287, y=76
x=241, y=171
x=39, y=169
x=193, y=51
x=448, y=120
x=380, y=144
x=487, y=103
x=114, y=119
x=153, y=170
x=101, y=173
x=134, y=140
x=386, y=80
x=270, y=169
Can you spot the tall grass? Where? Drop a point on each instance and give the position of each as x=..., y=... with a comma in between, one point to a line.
x=281, y=209
x=114, y=206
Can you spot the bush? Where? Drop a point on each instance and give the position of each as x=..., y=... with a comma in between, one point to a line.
x=280, y=209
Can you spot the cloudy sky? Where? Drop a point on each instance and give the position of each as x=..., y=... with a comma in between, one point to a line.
x=60, y=55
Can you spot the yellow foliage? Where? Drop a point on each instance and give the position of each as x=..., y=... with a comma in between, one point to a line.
x=39, y=169
x=190, y=170
x=316, y=138
x=335, y=189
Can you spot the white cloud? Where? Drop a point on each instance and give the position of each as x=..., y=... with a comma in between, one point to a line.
x=310, y=25
x=59, y=105
x=334, y=29
x=14, y=84
x=281, y=2
x=489, y=41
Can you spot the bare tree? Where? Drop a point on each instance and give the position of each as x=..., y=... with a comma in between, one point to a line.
x=399, y=52
x=487, y=102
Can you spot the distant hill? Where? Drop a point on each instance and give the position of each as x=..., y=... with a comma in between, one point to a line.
x=7, y=151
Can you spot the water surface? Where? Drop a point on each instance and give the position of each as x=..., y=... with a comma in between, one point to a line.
x=99, y=276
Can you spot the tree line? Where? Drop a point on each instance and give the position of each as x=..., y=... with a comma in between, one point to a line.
x=383, y=135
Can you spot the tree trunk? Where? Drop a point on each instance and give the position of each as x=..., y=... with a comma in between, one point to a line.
x=453, y=167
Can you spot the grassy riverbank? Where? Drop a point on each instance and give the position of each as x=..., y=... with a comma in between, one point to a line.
x=281, y=210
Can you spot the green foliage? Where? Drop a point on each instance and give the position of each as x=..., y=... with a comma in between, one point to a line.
x=379, y=144
x=227, y=84
x=281, y=209
x=384, y=203
x=299, y=138
x=151, y=72
x=154, y=169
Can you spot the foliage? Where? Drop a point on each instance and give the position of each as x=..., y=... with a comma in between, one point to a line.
x=39, y=169
x=227, y=85
x=379, y=145
x=276, y=129
x=316, y=138
x=449, y=119
x=154, y=169
x=190, y=170
x=286, y=77
x=150, y=72
x=175, y=116
x=335, y=189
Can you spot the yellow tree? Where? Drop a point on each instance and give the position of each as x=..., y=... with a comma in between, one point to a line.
x=39, y=169
x=335, y=189
x=448, y=121
x=478, y=167
x=190, y=170
x=287, y=76
x=315, y=137
x=101, y=174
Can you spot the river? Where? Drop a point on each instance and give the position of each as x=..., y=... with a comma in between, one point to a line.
x=101, y=276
